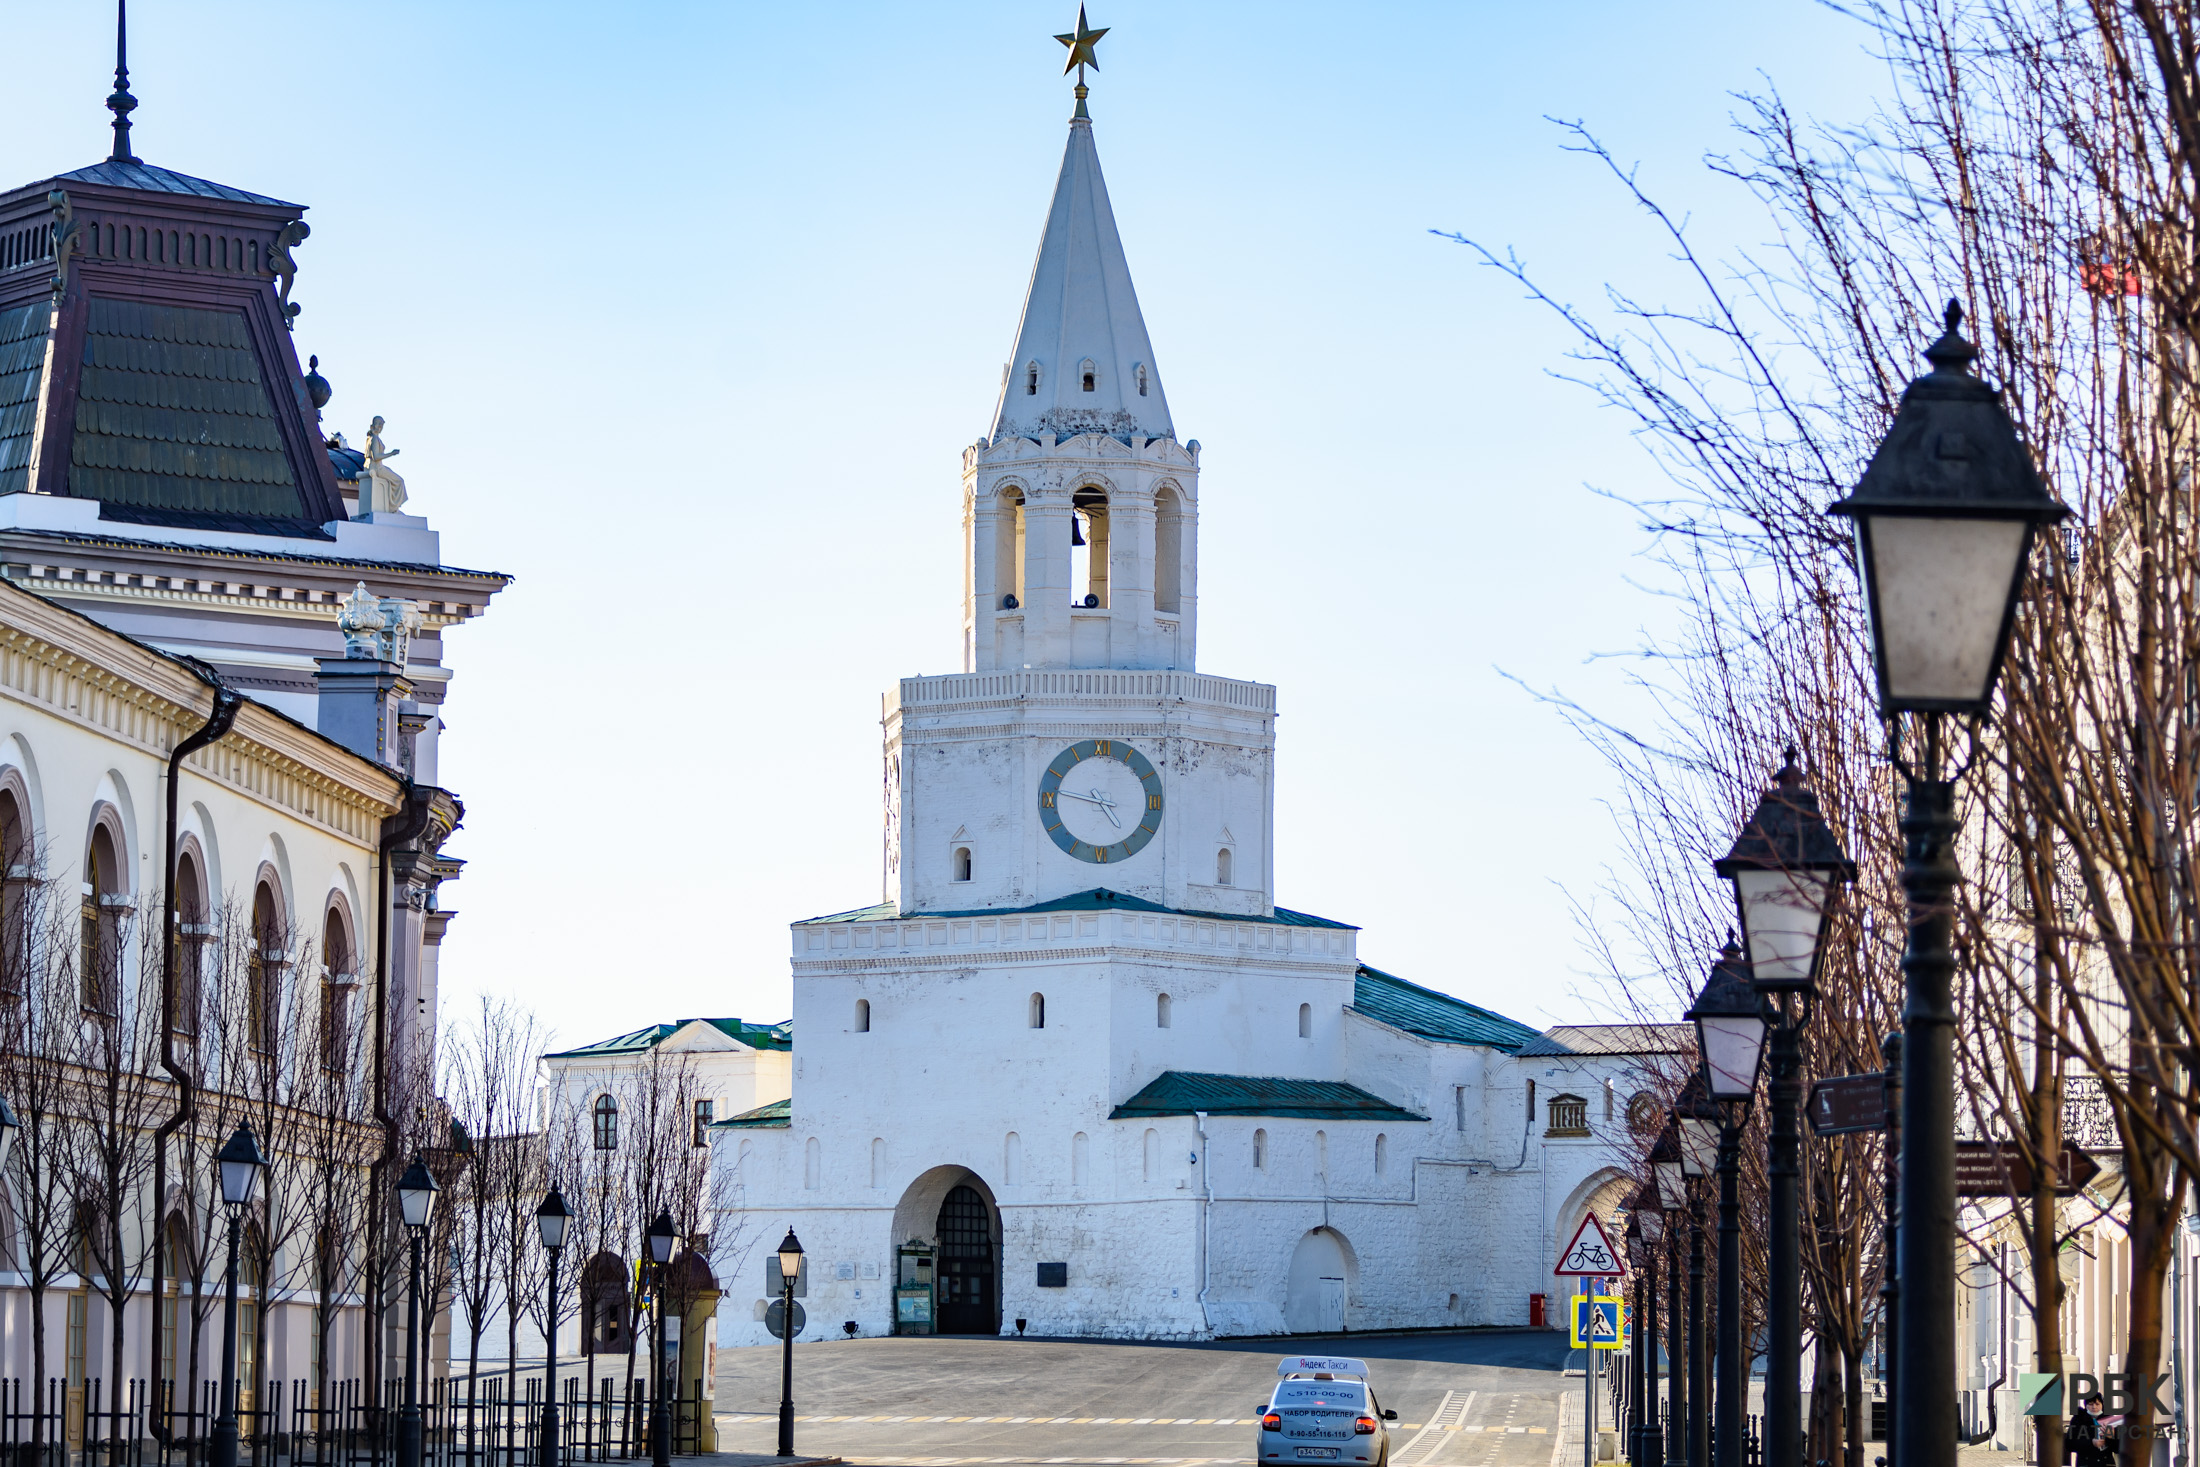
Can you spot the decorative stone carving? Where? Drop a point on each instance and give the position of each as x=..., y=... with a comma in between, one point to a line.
x=65, y=241
x=377, y=628
x=383, y=488
x=285, y=268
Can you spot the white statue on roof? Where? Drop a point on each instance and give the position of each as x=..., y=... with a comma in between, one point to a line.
x=382, y=488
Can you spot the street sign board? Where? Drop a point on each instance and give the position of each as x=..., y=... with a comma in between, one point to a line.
x=2087, y=1121
x=1591, y=1254
x=1597, y=1322
x=775, y=1319
x=1848, y=1104
x=1981, y=1173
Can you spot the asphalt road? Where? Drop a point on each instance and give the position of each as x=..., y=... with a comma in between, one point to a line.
x=1485, y=1398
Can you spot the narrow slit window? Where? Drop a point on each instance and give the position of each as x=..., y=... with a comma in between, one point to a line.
x=1038, y=1011
x=1222, y=867
x=1306, y=1021
x=863, y=1016
x=961, y=863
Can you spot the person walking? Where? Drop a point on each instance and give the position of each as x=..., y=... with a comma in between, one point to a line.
x=2082, y=1437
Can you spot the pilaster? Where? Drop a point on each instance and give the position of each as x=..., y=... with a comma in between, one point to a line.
x=1046, y=575
x=1130, y=574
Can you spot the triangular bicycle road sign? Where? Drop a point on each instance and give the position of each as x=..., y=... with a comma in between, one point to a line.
x=1591, y=1254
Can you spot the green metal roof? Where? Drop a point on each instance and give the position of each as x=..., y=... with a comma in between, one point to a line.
x=1181, y=1092
x=22, y=362
x=641, y=1041
x=172, y=413
x=778, y=1115
x=1434, y=1015
x=1099, y=899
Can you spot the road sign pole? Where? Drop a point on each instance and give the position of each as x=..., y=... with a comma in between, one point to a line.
x=1589, y=1387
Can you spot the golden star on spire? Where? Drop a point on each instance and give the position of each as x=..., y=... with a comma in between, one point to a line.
x=1080, y=44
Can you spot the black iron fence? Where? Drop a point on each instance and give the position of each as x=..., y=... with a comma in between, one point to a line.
x=464, y=1423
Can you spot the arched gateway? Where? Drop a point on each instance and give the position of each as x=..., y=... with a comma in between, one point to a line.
x=953, y=1209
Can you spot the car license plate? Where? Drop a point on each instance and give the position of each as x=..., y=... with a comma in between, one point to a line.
x=1328, y=1453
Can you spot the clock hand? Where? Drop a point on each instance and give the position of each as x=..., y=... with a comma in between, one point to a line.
x=1097, y=797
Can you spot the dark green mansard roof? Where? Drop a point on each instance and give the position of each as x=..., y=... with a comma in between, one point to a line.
x=22, y=358
x=1434, y=1015
x=778, y=1115
x=1181, y=1093
x=173, y=414
x=1099, y=899
x=641, y=1041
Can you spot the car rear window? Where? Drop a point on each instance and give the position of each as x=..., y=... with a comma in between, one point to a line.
x=1349, y=1394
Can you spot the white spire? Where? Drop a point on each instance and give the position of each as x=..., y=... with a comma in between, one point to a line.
x=1081, y=320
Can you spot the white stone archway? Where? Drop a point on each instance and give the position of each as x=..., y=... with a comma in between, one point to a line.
x=917, y=1220
x=1318, y=1286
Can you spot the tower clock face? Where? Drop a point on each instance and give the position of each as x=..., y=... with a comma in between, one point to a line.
x=1100, y=800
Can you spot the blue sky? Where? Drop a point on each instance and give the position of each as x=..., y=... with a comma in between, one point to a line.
x=683, y=313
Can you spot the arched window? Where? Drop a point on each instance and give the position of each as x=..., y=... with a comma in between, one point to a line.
x=264, y=969
x=1088, y=375
x=1031, y=379
x=98, y=948
x=1260, y=1149
x=961, y=864
x=1168, y=552
x=607, y=1123
x=1080, y=1159
x=1151, y=1163
x=1089, y=552
x=1321, y=1155
x=1161, y=1012
x=1306, y=1021
x=812, y=1162
x=878, y=1161
x=1382, y=1155
x=339, y=973
x=863, y=1016
x=15, y=887
x=193, y=929
x=1222, y=867
x=1012, y=1158
x=1138, y=370
x=1038, y=1011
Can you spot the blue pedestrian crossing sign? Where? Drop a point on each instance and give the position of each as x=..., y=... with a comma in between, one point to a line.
x=1597, y=1324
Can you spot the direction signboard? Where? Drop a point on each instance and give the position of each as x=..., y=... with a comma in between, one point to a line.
x=1981, y=1172
x=1597, y=1322
x=1849, y=1104
x=1591, y=1254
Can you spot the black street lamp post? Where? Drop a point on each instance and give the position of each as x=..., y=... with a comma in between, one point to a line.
x=661, y=1237
x=239, y=1163
x=415, y=1203
x=790, y=1269
x=1787, y=868
x=1697, y=1128
x=550, y=1220
x=1672, y=1180
x=1945, y=516
x=1730, y=1035
x=1631, y=1241
x=1653, y=1430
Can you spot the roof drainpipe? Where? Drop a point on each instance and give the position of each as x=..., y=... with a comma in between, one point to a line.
x=218, y=722
x=1206, y=1217
x=408, y=824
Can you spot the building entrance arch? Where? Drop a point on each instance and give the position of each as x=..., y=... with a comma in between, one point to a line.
x=1315, y=1290
x=952, y=1209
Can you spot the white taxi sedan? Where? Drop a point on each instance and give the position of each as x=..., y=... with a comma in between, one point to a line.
x=1323, y=1410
